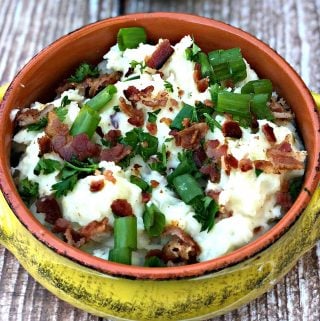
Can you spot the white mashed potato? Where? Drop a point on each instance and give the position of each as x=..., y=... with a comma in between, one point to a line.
x=251, y=199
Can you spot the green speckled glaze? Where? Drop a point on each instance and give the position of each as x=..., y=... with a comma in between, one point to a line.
x=185, y=299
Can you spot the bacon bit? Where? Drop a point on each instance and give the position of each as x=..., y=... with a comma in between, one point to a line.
x=146, y=197
x=190, y=137
x=202, y=83
x=257, y=229
x=212, y=171
x=55, y=127
x=229, y=83
x=181, y=248
x=115, y=153
x=160, y=55
x=30, y=116
x=199, y=156
x=136, y=116
x=155, y=252
x=180, y=93
x=91, y=86
x=173, y=102
x=121, y=207
x=95, y=228
x=60, y=225
x=245, y=164
x=129, y=72
x=152, y=128
x=158, y=101
x=215, y=152
x=254, y=125
x=231, y=129
x=283, y=158
x=209, y=103
x=74, y=238
x=112, y=136
x=214, y=195
x=134, y=95
x=269, y=133
x=166, y=120
x=109, y=176
x=96, y=186
x=230, y=162
x=99, y=131
x=45, y=146
x=263, y=165
x=186, y=122
x=154, y=183
x=50, y=207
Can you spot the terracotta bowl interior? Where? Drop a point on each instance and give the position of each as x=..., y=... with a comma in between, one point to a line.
x=42, y=74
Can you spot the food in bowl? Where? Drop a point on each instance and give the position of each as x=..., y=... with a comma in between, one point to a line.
x=161, y=155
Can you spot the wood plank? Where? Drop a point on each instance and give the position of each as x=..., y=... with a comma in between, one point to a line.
x=291, y=27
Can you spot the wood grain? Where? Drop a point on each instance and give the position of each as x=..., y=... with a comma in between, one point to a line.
x=291, y=27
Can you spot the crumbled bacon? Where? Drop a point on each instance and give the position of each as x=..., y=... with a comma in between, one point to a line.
x=74, y=238
x=231, y=129
x=230, y=162
x=94, y=228
x=146, y=197
x=190, y=137
x=91, y=86
x=160, y=55
x=154, y=183
x=166, y=120
x=280, y=110
x=209, y=103
x=185, y=122
x=134, y=95
x=214, y=194
x=96, y=186
x=60, y=225
x=284, y=200
x=214, y=151
x=136, y=116
x=257, y=229
x=50, y=207
x=268, y=132
x=115, y=153
x=55, y=127
x=181, y=248
x=45, y=146
x=199, y=156
x=263, y=165
x=245, y=164
x=112, y=136
x=212, y=171
x=109, y=176
x=173, y=102
x=30, y=116
x=152, y=128
x=202, y=83
x=121, y=207
x=283, y=158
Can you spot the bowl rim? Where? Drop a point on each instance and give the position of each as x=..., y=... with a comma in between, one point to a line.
x=137, y=272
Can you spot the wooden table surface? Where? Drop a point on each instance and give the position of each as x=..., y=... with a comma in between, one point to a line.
x=291, y=27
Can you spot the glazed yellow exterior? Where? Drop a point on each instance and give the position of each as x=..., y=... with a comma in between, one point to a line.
x=186, y=299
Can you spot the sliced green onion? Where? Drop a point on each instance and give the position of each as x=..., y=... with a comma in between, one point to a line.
x=187, y=188
x=132, y=78
x=102, y=98
x=125, y=232
x=187, y=111
x=121, y=255
x=233, y=103
x=154, y=221
x=260, y=108
x=217, y=57
x=214, y=90
x=206, y=69
x=212, y=123
x=131, y=37
x=86, y=122
x=238, y=69
x=260, y=86
x=182, y=168
x=221, y=72
x=145, y=187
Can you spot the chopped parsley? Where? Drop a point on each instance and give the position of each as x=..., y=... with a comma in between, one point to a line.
x=28, y=190
x=141, y=64
x=62, y=111
x=83, y=71
x=154, y=221
x=145, y=187
x=212, y=123
x=160, y=164
x=258, y=172
x=42, y=123
x=191, y=53
x=70, y=174
x=206, y=209
x=142, y=143
x=47, y=166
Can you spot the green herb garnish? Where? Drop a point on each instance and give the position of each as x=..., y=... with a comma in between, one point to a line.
x=141, y=64
x=168, y=86
x=83, y=71
x=28, y=190
x=47, y=166
x=152, y=117
x=154, y=221
x=153, y=261
x=42, y=123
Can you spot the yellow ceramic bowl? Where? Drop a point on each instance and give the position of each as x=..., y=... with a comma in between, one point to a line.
x=184, y=293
